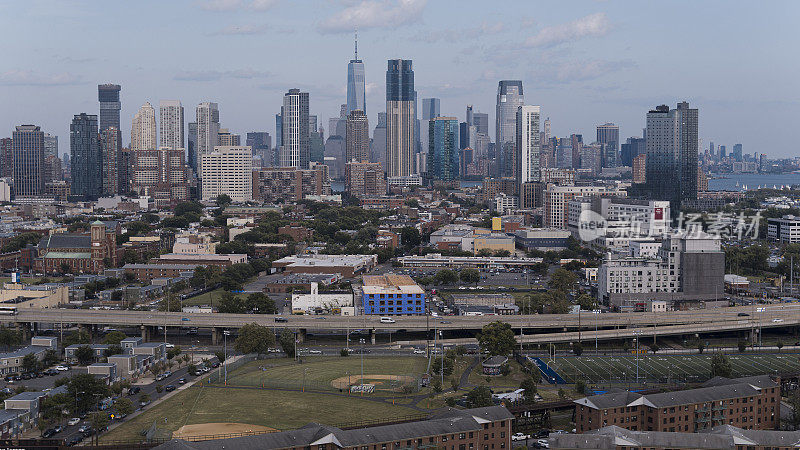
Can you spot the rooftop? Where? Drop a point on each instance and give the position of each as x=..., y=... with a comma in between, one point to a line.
x=391, y=283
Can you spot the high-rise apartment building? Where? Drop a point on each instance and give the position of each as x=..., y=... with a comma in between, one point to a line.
x=481, y=123
x=207, y=114
x=161, y=174
x=295, y=145
x=278, y=130
x=639, y=166
x=86, y=159
x=109, y=149
x=400, y=118
x=364, y=179
x=737, y=152
x=227, y=139
x=357, y=139
x=509, y=98
x=430, y=109
x=672, y=153
x=632, y=148
x=52, y=164
x=27, y=147
x=443, y=148
x=608, y=135
x=261, y=143
x=576, y=143
x=290, y=184
x=378, y=149
x=356, y=93
x=143, y=130
x=527, y=143
x=171, y=126
x=108, y=95
x=6, y=158
x=227, y=170
x=191, y=146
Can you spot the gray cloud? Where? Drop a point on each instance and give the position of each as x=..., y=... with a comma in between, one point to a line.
x=592, y=25
x=215, y=75
x=374, y=14
x=31, y=78
x=235, y=5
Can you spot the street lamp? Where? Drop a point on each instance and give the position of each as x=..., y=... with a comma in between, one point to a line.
x=361, y=341
x=225, y=333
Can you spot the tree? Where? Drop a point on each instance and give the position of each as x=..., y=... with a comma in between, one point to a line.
x=9, y=337
x=173, y=352
x=84, y=389
x=221, y=357
x=123, y=406
x=445, y=276
x=563, y=280
x=577, y=348
x=779, y=344
x=794, y=403
x=112, y=350
x=144, y=398
x=470, y=276
x=260, y=303
x=286, y=340
x=77, y=337
x=700, y=346
x=454, y=383
x=84, y=354
x=230, y=303
x=720, y=365
x=530, y=389
x=344, y=353
x=654, y=347
x=410, y=237
x=497, y=338
x=742, y=346
x=437, y=363
x=50, y=357
x=53, y=408
x=114, y=338
x=30, y=363
x=254, y=338
x=223, y=200
x=580, y=387
x=170, y=302
x=587, y=302
x=479, y=397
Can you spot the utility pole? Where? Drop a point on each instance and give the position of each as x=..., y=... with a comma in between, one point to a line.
x=225, y=334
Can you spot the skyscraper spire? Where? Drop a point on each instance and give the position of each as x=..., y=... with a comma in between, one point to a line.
x=356, y=57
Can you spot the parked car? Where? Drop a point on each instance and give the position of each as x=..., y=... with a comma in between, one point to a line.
x=215, y=364
x=48, y=433
x=83, y=428
x=73, y=421
x=519, y=437
x=134, y=390
x=62, y=368
x=74, y=440
x=167, y=374
x=58, y=429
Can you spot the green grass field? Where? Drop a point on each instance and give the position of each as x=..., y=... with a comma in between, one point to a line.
x=208, y=298
x=273, y=408
x=318, y=372
x=668, y=368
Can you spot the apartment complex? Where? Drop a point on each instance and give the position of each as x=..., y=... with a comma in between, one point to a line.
x=364, y=179
x=557, y=198
x=750, y=403
x=392, y=294
x=289, y=184
x=227, y=170
x=161, y=174
x=785, y=229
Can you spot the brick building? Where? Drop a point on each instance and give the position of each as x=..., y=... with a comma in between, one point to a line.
x=161, y=174
x=486, y=428
x=296, y=232
x=364, y=179
x=750, y=403
x=82, y=253
x=289, y=184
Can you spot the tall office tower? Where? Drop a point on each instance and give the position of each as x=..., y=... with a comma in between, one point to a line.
x=400, y=118
x=737, y=152
x=356, y=93
x=443, y=148
x=227, y=170
x=207, y=114
x=576, y=142
x=171, y=126
x=312, y=123
x=509, y=99
x=87, y=166
x=109, y=149
x=27, y=147
x=191, y=146
x=108, y=95
x=481, y=123
x=6, y=158
x=52, y=165
x=711, y=148
x=228, y=139
x=295, y=148
x=377, y=152
x=469, y=115
x=316, y=146
x=722, y=152
x=608, y=135
x=430, y=109
x=547, y=129
x=50, y=145
x=632, y=148
x=671, y=171
x=357, y=140
x=143, y=130
x=261, y=143
x=528, y=144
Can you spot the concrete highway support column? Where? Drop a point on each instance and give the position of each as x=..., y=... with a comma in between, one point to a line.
x=145, y=333
x=372, y=336
x=301, y=335
x=24, y=330
x=214, y=336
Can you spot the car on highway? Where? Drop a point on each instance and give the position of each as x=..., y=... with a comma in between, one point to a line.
x=419, y=351
x=160, y=377
x=170, y=345
x=181, y=380
x=445, y=321
x=387, y=320
x=315, y=352
x=185, y=319
x=73, y=421
x=777, y=320
x=83, y=428
x=743, y=315
x=281, y=319
x=167, y=374
x=273, y=350
x=62, y=368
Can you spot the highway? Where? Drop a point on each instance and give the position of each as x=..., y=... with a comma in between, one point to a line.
x=720, y=319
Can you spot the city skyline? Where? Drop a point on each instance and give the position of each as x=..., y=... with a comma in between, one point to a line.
x=606, y=68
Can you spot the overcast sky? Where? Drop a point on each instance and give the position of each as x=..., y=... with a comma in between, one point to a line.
x=583, y=62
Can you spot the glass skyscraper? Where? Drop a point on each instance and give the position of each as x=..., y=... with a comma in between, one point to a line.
x=27, y=148
x=608, y=135
x=108, y=95
x=356, y=94
x=400, y=117
x=87, y=158
x=509, y=99
x=671, y=143
x=443, y=148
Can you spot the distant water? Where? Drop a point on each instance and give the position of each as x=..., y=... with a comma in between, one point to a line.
x=752, y=181
x=337, y=186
